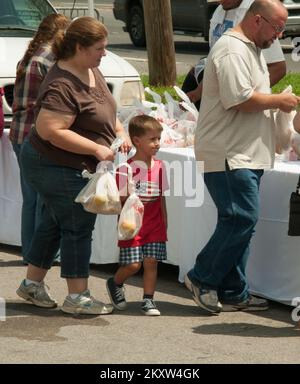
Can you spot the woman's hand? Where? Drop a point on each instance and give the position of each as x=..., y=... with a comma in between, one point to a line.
x=126, y=145
x=120, y=132
x=104, y=153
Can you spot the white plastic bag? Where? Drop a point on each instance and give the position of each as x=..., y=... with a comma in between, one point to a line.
x=296, y=142
x=284, y=127
x=199, y=68
x=101, y=194
x=131, y=217
x=171, y=138
x=186, y=103
x=89, y=190
x=179, y=119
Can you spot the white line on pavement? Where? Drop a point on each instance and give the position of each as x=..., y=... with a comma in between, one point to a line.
x=134, y=58
x=143, y=60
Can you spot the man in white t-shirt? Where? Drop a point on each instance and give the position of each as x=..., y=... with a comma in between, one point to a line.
x=227, y=15
x=235, y=140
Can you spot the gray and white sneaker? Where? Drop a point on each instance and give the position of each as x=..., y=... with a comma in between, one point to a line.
x=37, y=294
x=149, y=308
x=85, y=304
x=206, y=298
x=116, y=294
x=251, y=304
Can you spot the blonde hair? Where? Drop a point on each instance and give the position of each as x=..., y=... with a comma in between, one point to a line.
x=84, y=31
x=48, y=29
x=141, y=125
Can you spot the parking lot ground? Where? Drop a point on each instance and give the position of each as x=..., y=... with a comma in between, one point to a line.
x=183, y=333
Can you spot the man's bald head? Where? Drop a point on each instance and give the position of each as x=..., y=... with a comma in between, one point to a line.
x=268, y=8
x=264, y=22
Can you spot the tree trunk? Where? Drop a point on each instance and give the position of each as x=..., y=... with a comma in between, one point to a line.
x=160, y=43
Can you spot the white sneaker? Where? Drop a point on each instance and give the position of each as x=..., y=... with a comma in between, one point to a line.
x=86, y=304
x=37, y=294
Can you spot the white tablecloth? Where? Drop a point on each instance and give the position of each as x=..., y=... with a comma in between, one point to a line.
x=10, y=194
x=274, y=261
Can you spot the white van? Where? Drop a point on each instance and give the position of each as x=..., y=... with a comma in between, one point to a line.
x=19, y=19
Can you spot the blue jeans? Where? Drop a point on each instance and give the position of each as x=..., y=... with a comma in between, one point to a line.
x=31, y=208
x=222, y=262
x=63, y=224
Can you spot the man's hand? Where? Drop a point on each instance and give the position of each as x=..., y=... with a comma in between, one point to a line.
x=288, y=102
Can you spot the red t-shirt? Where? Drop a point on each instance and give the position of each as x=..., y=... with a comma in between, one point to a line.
x=150, y=184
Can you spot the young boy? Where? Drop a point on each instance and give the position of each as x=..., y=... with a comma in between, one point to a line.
x=149, y=245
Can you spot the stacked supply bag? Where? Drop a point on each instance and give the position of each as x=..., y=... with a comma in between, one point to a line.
x=178, y=118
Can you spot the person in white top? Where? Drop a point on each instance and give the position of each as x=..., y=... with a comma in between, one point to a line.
x=297, y=122
x=227, y=15
x=235, y=140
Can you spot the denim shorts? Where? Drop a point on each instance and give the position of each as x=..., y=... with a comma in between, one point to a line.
x=131, y=255
x=63, y=224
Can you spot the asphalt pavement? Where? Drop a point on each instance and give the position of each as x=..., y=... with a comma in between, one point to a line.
x=183, y=334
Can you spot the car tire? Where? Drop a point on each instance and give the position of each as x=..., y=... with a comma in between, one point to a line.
x=136, y=26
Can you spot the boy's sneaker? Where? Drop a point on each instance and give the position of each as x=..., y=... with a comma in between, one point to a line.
x=85, y=304
x=116, y=294
x=206, y=298
x=37, y=294
x=251, y=304
x=149, y=308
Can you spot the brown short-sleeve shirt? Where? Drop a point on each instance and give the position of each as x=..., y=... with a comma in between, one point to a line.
x=94, y=108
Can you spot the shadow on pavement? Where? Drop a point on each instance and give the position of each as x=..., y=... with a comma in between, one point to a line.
x=10, y=249
x=27, y=322
x=246, y=330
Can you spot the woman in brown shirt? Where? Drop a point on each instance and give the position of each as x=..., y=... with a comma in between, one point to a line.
x=75, y=126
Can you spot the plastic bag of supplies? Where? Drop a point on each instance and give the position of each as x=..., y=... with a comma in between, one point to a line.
x=131, y=217
x=284, y=127
x=101, y=194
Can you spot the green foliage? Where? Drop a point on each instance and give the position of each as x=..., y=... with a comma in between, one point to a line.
x=290, y=78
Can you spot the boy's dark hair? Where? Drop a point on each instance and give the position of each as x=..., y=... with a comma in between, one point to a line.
x=140, y=125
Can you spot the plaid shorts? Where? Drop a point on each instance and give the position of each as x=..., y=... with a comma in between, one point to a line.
x=137, y=254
